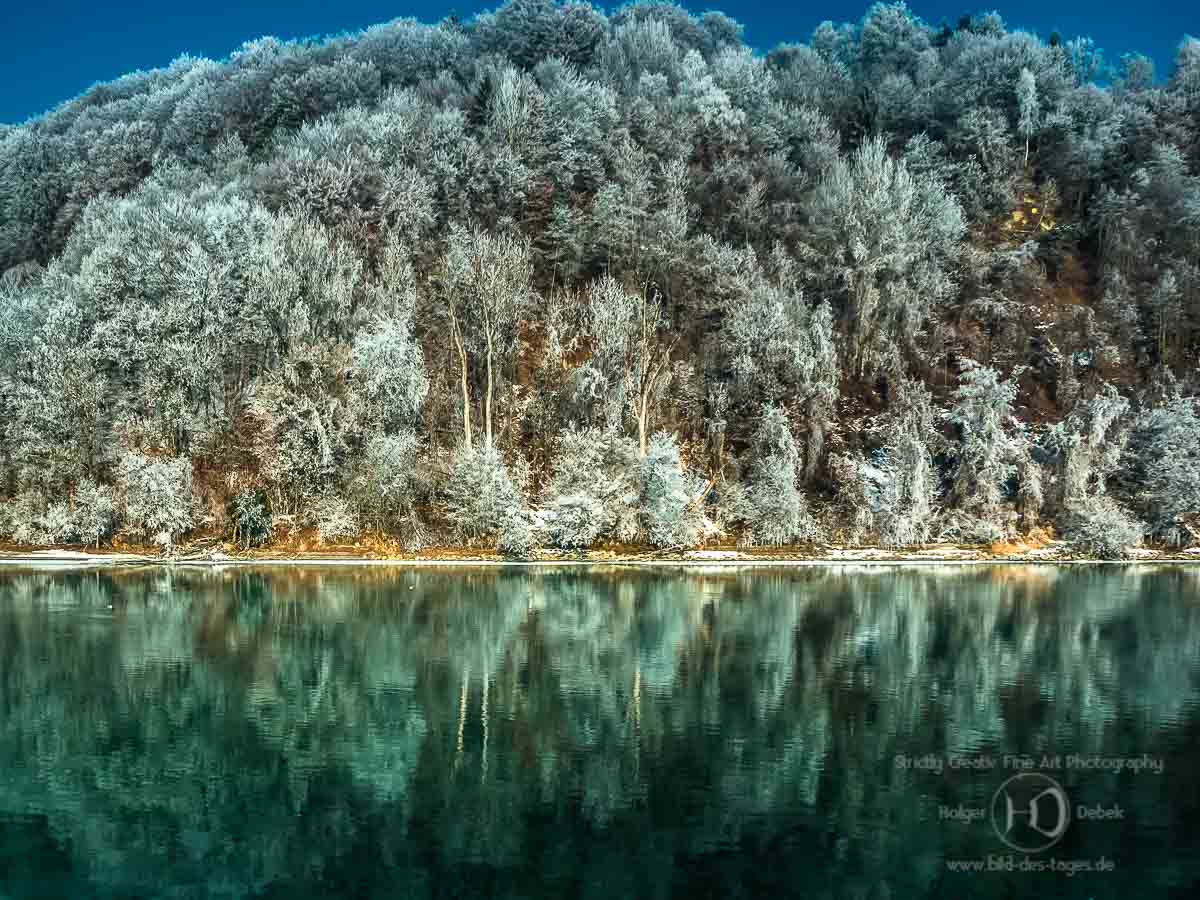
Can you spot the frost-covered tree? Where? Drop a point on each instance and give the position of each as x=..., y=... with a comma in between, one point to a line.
x=884, y=242
x=389, y=380
x=485, y=287
x=94, y=513
x=156, y=497
x=310, y=267
x=252, y=524
x=988, y=452
x=388, y=366
x=621, y=209
x=594, y=491
x=484, y=501
x=333, y=516
x=1088, y=445
x=1030, y=489
x=782, y=349
x=304, y=436
x=1136, y=72
x=670, y=498
x=773, y=508
x=983, y=140
x=853, y=511
x=86, y=518
x=1087, y=449
x=905, y=489
x=631, y=351
x=384, y=483
x=1100, y=527
x=1027, y=108
x=1160, y=469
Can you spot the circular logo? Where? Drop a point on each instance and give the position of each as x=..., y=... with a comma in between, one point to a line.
x=1030, y=812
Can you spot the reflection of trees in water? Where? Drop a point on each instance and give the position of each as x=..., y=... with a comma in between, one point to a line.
x=258, y=726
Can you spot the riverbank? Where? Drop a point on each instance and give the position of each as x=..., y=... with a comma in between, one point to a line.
x=1051, y=551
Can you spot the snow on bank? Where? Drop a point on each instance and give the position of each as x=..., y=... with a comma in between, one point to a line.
x=72, y=558
x=858, y=556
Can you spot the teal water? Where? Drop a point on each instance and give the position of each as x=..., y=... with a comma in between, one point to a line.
x=375, y=732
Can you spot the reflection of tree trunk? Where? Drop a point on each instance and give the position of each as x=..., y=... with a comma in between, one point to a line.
x=637, y=721
x=462, y=717
x=483, y=716
x=637, y=697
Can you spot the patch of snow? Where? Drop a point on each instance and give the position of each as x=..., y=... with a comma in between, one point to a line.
x=714, y=554
x=1042, y=553
x=944, y=552
x=858, y=553
x=71, y=557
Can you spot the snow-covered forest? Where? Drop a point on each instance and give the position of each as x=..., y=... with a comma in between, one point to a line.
x=557, y=276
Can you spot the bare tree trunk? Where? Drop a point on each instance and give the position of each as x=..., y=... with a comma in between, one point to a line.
x=466, y=391
x=487, y=401
x=652, y=371
x=645, y=381
x=466, y=405
x=642, y=424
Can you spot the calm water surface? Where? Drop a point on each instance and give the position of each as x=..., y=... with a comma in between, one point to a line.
x=815, y=732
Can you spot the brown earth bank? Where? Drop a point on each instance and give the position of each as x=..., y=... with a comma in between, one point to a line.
x=1040, y=548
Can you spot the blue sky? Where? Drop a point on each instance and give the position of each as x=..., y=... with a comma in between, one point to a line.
x=52, y=50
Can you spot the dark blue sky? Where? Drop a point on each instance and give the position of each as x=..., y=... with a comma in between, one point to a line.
x=52, y=50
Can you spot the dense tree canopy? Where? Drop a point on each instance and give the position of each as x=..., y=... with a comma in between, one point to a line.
x=349, y=281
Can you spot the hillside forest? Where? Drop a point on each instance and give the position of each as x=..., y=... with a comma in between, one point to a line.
x=557, y=276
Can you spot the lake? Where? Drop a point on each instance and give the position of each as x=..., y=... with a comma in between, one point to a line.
x=826, y=732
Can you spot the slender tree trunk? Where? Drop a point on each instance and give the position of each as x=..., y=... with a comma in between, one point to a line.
x=642, y=424
x=1026, y=152
x=466, y=405
x=466, y=391
x=645, y=386
x=487, y=402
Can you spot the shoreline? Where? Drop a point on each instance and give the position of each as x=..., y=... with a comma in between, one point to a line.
x=783, y=557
